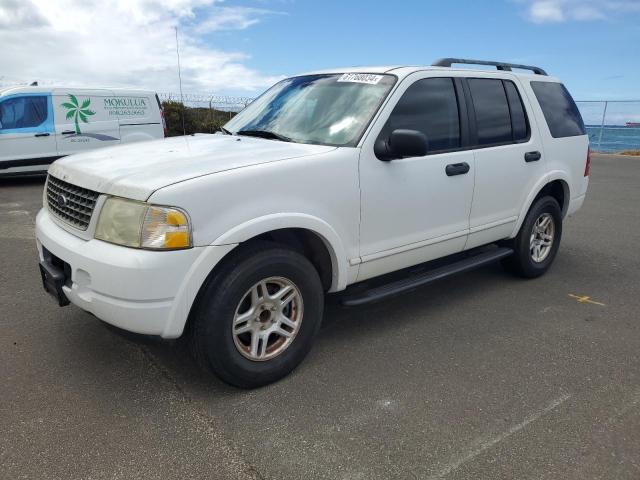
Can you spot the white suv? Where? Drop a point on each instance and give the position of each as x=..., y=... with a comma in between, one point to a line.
x=329, y=179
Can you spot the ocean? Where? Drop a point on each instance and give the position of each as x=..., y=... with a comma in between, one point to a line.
x=614, y=139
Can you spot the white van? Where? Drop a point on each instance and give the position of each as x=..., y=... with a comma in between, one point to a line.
x=41, y=124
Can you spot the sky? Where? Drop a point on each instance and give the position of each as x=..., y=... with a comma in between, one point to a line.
x=242, y=47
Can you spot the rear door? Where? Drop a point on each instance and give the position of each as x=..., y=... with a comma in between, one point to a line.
x=82, y=121
x=138, y=114
x=508, y=156
x=26, y=131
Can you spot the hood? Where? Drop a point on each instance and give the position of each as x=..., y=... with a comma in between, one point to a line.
x=137, y=170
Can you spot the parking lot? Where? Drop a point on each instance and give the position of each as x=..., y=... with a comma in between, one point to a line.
x=480, y=376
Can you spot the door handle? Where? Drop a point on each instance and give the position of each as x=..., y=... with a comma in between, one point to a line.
x=457, y=169
x=45, y=134
x=68, y=132
x=532, y=156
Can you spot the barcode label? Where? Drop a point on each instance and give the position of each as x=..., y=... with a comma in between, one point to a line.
x=367, y=78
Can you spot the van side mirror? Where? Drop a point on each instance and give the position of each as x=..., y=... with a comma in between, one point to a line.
x=402, y=143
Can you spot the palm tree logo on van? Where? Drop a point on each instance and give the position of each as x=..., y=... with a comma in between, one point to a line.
x=79, y=112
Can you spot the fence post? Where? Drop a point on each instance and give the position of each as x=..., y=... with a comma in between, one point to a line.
x=211, y=114
x=604, y=114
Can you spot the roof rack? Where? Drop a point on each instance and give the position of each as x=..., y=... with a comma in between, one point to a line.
x=447, y=62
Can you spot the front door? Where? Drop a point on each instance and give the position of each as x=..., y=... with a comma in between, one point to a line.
x=83, y=123
x=412, y=209
x=26, y=131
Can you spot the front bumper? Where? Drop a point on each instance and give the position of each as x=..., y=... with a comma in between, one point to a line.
x=141, y=291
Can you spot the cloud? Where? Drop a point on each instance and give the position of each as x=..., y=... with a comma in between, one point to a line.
x=126, y=43
x=546, y=11
x=19, y=13
x=555, y=11
x=232, y=18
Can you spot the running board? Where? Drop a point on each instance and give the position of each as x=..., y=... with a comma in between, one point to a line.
x=418, y=280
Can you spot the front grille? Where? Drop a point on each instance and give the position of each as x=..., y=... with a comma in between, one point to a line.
x=73, y=205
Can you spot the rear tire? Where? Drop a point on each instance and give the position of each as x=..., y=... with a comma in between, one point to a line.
x=536, y=245
x=242, y=330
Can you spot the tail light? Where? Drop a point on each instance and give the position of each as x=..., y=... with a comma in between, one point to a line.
x=164, y=124
x=587, y=167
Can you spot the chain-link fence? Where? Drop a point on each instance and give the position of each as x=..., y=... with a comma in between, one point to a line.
x=202, y=100
x=613, y=125
x=199, y=113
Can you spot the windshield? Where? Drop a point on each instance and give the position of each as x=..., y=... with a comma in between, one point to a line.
x=330, y=109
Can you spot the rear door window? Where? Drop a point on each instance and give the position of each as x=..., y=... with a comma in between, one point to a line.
x=493, y=121
x=23, y=112
x=429, y=106
x=559, y=109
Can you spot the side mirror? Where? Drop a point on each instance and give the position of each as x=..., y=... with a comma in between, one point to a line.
x=402, y=143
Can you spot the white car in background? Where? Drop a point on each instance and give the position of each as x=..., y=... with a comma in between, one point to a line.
x=41, y=124
x=351, y=180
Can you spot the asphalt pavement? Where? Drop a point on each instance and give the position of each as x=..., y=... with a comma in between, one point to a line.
x=479, y=376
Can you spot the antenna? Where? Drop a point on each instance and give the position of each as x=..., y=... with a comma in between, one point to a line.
x=184, y=130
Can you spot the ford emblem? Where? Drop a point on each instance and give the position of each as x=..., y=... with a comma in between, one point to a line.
x=62, y=200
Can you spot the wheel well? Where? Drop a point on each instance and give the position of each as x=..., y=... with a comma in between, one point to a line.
x=557, y=189
x=308, y=244
x=301, y=240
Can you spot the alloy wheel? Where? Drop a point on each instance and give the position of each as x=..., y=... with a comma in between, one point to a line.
x=267, y=318
x=542, y=236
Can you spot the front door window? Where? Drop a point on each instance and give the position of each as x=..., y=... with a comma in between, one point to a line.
x=20, y=113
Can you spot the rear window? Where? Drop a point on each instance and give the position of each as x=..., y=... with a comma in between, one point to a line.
x=559, y=109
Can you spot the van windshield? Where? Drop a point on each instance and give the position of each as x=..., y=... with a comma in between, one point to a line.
x=332, y=109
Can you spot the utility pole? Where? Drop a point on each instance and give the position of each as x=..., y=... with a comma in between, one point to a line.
x=184, y=130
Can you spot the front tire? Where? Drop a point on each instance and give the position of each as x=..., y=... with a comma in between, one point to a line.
x=257, y=316
x=538, y=240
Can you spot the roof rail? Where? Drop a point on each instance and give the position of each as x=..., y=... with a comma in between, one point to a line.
x=447, y=62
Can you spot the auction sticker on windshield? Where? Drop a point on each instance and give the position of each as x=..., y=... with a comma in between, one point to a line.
x=368, y=78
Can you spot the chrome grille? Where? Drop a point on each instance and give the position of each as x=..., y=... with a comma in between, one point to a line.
x=73, y=205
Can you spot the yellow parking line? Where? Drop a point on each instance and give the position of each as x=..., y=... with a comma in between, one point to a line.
x=586, y=299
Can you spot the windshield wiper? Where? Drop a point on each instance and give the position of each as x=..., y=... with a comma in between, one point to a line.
x=263, y=134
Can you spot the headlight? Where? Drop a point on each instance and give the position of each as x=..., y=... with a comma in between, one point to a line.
x=141, y=225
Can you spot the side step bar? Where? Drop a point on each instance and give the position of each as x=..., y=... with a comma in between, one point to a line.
x=418, y=280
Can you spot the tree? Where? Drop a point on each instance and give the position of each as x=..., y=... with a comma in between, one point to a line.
x=196, y=119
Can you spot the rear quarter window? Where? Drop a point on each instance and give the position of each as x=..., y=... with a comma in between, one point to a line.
x=559, y=109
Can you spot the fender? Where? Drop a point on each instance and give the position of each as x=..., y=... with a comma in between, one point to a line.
x=213, y=254
x=548, y=178
x=277, y=221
